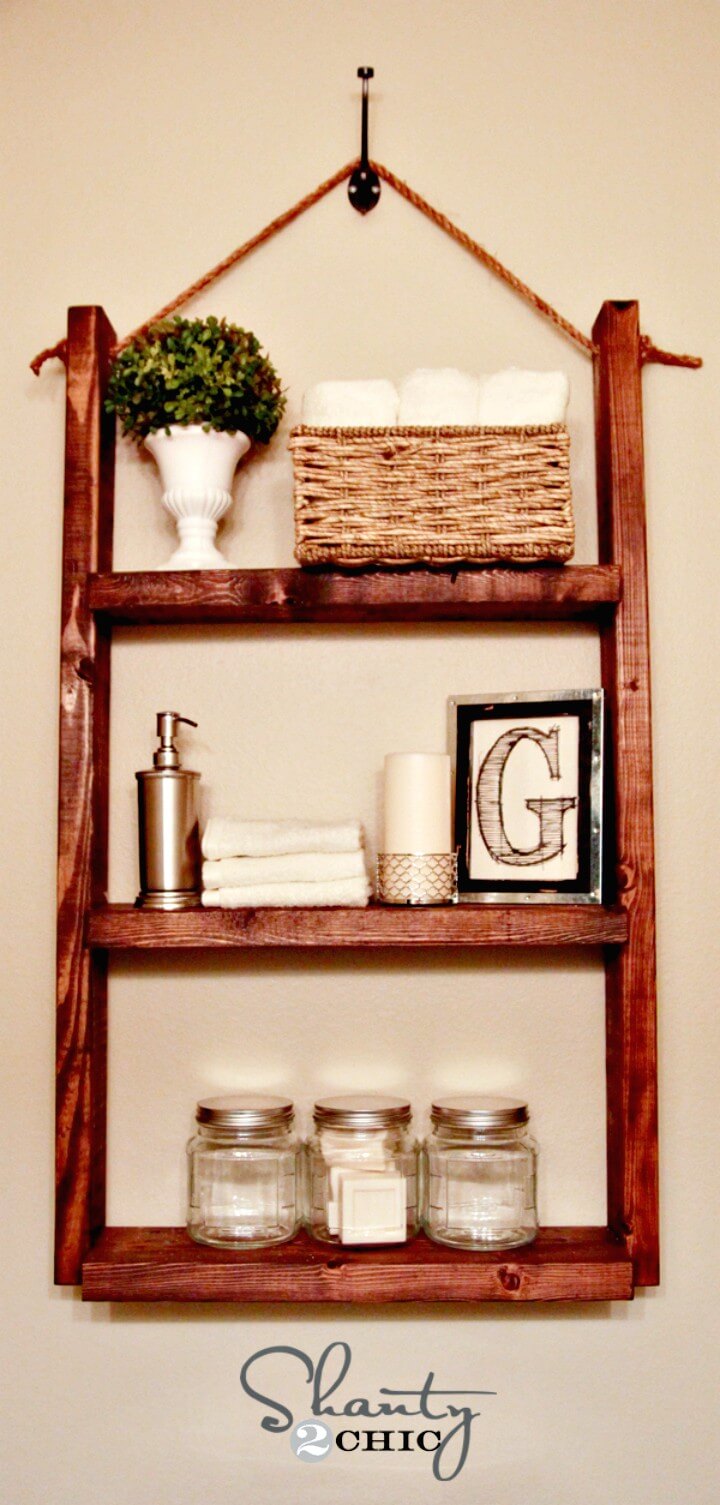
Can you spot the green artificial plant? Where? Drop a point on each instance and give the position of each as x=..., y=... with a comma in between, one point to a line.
x=195, y=371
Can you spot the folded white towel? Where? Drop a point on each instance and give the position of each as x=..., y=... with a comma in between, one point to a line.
x=225, y=837
x=350, y=404
x=303, y=867
x=445, y=396
x=351, y=893
x=512, y=398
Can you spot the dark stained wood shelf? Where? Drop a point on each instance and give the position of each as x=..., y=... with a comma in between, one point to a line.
x=121, y=926
x=165, y=598
x=573, y=1264
x=164, y=1264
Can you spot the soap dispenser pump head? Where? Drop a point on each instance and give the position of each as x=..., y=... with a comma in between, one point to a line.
x=167, y=755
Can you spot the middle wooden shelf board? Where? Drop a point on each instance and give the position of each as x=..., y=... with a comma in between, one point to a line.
x=123, y=927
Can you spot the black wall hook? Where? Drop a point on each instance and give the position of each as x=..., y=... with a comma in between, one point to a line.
x=364, y=185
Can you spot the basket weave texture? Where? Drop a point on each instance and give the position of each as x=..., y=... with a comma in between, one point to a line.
x=432, y=495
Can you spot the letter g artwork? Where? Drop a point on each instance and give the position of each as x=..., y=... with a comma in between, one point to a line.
x=550, y=812
x=528, y=798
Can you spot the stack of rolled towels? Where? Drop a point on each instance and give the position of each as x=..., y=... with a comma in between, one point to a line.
x=440, y=398
x=257, y=864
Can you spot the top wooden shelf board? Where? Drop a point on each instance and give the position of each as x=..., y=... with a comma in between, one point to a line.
x=214, y=597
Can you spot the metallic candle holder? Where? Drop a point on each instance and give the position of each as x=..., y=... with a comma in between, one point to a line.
x=417, y=877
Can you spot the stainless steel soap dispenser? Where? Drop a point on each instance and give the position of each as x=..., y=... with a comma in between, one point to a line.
x=170, y=860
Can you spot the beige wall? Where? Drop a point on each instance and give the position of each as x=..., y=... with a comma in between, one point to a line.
x=578, y=141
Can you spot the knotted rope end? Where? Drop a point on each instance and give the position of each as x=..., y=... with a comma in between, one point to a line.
x=53, y=352
x=650, y=352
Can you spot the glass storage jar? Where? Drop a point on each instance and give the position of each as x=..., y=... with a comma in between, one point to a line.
x=243, y=1172
x=362, y=1171
x=480, y=1166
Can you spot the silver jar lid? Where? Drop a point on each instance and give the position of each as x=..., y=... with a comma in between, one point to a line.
x=362, y=1110
x=473, y=1110
x=246, y=1110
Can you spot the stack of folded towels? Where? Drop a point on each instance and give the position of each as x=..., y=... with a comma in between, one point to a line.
x=436, y=398
x=257, y=864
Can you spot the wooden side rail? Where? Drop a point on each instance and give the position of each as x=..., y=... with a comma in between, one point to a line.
x=83, y=811
x=632, y=1159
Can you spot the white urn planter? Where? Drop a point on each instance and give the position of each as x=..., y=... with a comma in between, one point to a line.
x=196, y=470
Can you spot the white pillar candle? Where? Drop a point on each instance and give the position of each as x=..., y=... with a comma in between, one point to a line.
x=418, y=817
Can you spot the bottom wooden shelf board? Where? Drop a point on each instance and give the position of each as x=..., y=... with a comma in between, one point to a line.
x=164, y=1264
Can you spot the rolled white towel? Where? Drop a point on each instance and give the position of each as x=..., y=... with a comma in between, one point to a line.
x=225, y=837
x=350, y=404
x=510, y=399
x=351, y=893
x=432, y=398
x=303, y=867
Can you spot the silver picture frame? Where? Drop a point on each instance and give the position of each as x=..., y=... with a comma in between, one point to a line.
x=588, y=707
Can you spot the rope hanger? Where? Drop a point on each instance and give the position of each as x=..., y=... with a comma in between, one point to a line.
x=648, y=350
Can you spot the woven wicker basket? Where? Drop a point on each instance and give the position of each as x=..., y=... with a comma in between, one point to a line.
x=432, y=495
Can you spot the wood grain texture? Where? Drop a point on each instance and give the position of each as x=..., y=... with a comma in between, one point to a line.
x=164, y=1264
x=292, y=595
x=121, y=926
x=83, y=806
x=630, y=988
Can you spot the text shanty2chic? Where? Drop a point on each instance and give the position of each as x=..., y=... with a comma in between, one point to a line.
x=449, y=1443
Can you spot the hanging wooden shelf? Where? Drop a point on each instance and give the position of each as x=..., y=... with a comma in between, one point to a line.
x=166, y=598
x=164, y=1264
x=122, y=927
x=581, y=1264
